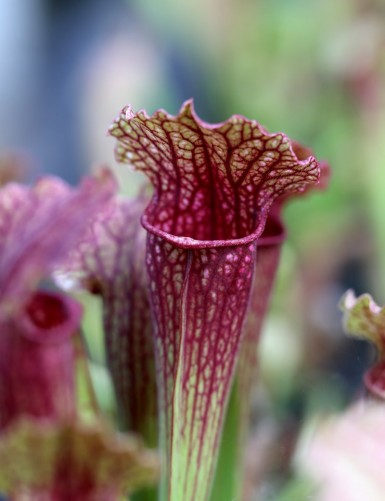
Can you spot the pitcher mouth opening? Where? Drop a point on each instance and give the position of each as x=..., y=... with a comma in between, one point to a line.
x=50, y=317
x=186, y=242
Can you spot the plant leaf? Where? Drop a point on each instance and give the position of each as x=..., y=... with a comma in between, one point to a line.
x=364, y=319
x=110, y=261
x=213, y=188
x=37, y=359
x=38, y=226
x=72, y=460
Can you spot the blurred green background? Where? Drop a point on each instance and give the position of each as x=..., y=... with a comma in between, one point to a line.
x=314, y=69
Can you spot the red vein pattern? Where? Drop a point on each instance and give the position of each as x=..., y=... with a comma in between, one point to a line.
x=32, y=224
x=213, y=187
x=268, y=255
x=110, y=261
x=269, y=251
x=212, y=182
